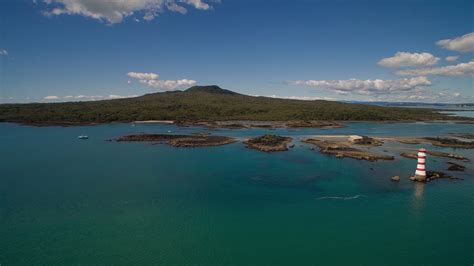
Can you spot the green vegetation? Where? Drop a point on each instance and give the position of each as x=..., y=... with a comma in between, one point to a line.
x=268, y=140
x=205, y=103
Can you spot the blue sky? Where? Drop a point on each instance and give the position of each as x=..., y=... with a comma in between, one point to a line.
x=61, y=50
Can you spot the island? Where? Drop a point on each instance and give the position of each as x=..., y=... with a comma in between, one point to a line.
x=268, y=143
x=211, y=104
x=356, y=147
x=196, y=140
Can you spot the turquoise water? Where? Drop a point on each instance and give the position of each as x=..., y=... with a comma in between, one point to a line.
x=66, y=201
x=460, y=113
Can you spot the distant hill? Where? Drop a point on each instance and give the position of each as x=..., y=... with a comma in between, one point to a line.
x=206, y=103
x=210, y=89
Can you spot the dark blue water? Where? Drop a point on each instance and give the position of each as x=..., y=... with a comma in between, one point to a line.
x=66, y=201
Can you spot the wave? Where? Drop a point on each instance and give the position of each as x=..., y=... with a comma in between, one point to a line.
x=341, y=198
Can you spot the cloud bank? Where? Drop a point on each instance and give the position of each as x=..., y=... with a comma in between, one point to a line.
x=461, y=44
x=405, y=59
x=3, y=52
x=151, y=80
x=86, y=97
x=410, y=90
x=462, y=69
x=367, y=87
x=115, y=11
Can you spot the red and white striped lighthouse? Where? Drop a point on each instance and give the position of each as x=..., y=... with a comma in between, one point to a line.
x=420, y=173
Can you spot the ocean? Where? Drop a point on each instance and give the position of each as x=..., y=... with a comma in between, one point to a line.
x=70, y=201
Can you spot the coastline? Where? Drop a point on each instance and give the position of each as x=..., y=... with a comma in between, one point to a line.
x=241, y=124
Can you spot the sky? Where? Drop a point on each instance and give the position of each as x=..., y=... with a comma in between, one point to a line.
x=349, y=50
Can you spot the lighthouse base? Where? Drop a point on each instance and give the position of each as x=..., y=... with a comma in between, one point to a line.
x=419, y=178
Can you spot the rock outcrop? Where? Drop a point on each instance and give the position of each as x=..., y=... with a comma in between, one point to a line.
x=344, y=149
x=432, y=175
x=179, y=140
x=268, y=143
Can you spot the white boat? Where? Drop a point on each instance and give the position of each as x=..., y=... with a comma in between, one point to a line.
x=83, y=137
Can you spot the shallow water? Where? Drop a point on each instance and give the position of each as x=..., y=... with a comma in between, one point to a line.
x=460, y=113
x=64, y=201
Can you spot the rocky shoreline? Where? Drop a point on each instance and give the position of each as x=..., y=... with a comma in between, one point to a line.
x=261, y=124
x=268, y=143
x=197, y=140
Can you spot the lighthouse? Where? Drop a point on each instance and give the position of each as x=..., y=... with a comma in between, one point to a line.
x=420, y=173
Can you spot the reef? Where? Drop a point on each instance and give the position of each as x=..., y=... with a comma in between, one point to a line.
x=456, y=167
x=450, y=142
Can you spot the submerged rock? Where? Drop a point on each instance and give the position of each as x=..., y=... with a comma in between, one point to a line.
x=456, y=167
x=409, y=155
x=395, y=178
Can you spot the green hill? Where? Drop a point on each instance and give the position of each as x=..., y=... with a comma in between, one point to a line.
x=205, y=103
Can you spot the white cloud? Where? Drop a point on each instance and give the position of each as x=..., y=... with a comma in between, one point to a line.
x=151, y=80
x=405, y=59
x=51, y=98
x=452, y=58
x=424, y=95
x=3, y=52
x=367, y=87
x=115, y=96
x=144, y=76
x=461, y=44
x=302, y=98
x=198, y=4
x=86, y=97
x=176, y=8
x=462, y=69
x=114, y=11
